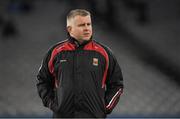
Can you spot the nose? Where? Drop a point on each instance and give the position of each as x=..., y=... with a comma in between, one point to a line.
x=86, y=27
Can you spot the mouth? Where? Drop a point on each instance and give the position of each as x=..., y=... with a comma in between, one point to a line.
x=86, y=34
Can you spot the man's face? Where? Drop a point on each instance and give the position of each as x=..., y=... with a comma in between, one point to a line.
x=81, y=28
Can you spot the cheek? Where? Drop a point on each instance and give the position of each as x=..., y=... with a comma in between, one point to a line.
x=78, y=31
x=74, y=31
x=90, y=29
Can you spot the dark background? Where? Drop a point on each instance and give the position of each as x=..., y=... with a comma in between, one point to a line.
x=143, y=34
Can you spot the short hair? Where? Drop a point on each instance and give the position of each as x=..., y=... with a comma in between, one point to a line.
x=76, y=12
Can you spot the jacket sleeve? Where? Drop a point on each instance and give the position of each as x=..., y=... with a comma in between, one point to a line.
x=45, y=82
x=114, y=84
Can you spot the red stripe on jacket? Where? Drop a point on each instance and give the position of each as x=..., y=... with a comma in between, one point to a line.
x=66, y=46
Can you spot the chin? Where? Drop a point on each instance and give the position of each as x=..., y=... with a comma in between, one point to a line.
x=86, y=38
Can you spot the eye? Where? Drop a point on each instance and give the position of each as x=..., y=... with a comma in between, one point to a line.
x=80, y=25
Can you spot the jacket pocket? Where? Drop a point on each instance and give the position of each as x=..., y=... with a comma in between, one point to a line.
x=99, y=91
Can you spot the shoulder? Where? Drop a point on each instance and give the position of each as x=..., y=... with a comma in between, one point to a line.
x=52, y=48
x=57, y=45
x=105, y=47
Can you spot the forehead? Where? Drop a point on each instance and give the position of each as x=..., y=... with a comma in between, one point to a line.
x=82, y=19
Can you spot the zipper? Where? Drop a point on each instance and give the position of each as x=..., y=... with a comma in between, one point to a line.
x=75, y=81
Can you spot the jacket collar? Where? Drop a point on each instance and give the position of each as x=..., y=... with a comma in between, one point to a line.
x=77, y=43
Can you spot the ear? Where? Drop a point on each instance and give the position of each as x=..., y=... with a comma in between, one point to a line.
x=69, y=28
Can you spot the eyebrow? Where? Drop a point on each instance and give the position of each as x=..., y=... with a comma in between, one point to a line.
x=84, y=24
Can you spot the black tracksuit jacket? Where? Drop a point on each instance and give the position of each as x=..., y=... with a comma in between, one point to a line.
x=80, y=80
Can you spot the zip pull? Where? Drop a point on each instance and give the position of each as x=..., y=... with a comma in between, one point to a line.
x=76, y=43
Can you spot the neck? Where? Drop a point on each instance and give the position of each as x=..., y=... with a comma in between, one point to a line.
x=80, y=42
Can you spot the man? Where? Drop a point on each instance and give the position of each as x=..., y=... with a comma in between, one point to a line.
x=80, y=77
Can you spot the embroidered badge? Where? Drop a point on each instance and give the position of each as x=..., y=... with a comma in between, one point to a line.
x=95, y=61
